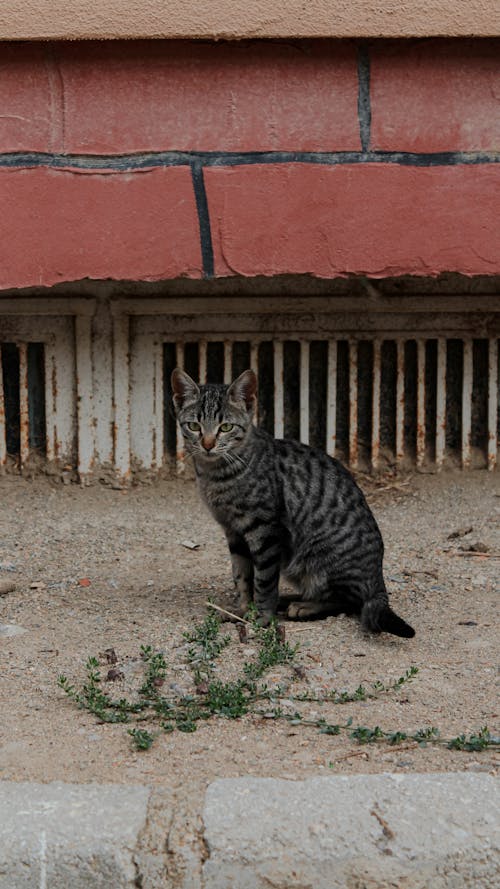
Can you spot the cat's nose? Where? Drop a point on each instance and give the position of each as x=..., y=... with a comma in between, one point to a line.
x=208, y=442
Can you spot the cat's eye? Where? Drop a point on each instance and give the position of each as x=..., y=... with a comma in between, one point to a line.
x=226, y=427
x=194, y=427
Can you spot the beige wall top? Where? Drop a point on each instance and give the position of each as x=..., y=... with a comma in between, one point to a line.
x=234, y=19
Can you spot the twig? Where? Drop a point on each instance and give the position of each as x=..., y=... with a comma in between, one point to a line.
x=354, y=753
x=228, y=613
x=410, y=573
x=473, y=555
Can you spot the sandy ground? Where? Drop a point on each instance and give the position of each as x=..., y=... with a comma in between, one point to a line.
x=146, y=588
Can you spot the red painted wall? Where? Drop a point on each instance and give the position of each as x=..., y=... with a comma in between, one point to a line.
x=153, y=160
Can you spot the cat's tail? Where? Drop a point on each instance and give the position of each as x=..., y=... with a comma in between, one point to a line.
x=378, y=616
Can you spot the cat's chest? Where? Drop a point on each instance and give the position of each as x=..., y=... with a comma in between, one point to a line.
x=228, y=503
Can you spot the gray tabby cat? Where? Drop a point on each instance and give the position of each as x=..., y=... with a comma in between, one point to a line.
x=285, y=507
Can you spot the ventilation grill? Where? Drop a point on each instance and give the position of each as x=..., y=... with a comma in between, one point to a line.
x=22, y=401
x=370, y=402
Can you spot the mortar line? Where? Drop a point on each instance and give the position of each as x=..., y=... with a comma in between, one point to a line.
x=200, y=193
x=364, y=99
x=198, y=160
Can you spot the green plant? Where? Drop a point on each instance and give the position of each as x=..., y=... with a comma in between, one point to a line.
x=142, y=739
x=242, y=695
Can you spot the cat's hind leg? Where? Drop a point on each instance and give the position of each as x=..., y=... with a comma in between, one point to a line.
x=306, y=610
x=312, y=610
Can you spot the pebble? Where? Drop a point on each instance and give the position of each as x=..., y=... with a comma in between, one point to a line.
x=11, y=630
x=6, y=586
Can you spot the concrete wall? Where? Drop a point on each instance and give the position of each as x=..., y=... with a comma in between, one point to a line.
x=149, y=161
x=235, y=19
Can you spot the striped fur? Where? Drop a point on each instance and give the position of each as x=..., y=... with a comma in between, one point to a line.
x=285, y=508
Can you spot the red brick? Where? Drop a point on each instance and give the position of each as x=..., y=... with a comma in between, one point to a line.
x=375, y=219
x=28, y=84
x=436, y=96
x=249, y=96
x=61, y=226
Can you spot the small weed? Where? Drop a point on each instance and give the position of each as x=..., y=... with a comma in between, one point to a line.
x=273, y=650
x=142, y=739
x=206, y=646
x=473, y=743
x=156, y=669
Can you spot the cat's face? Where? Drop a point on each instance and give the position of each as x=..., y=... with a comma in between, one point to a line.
x=215, y=420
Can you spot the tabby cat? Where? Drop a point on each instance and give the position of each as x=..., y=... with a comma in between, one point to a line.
x=285, y=507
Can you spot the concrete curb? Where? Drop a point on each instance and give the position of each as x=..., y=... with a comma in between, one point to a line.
x=428, y=831
x=373, y=831
x=57, y=836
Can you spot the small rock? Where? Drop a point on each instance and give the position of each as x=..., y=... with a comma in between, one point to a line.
x=38, y=585
x=6, y=586
x=178, y=690
x=84, y=581
x=460, y=532
x=190, y=544
x=477, y=547
x=480, y=580
x=11, y=630
x=114, y=675
x=110, y=655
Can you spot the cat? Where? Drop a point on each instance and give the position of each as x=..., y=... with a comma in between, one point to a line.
x=285, y=508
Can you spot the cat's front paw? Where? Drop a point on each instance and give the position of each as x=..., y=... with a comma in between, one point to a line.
x=265, y=618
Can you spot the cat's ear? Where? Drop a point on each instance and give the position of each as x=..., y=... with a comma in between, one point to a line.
x=183, y=388
x=244, y=389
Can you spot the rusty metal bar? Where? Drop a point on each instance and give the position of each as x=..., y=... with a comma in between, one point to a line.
x=440, y=402
x=466, y=404
x=304, y=390
x=228, y=361
x=420, y=402
x=377, y=370
x=492, y=403
x=84, y=394
x=158, y=402
x=202, y=361
x=179, y=441
x=254, y=365
x=331, y=399
x=400, y=401
x=24, y=420
x=51, y=445
x=3, y=430
x=279, y=407
x=353, y=404
x=121, y=395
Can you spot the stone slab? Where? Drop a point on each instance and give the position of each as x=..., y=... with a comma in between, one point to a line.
x=427, y=831
x=67, y=836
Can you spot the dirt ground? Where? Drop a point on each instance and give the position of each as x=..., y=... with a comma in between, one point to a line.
x=146, y=588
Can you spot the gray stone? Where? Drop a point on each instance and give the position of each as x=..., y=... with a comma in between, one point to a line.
x=11, y=630
x=68, y=836
x=429, y=831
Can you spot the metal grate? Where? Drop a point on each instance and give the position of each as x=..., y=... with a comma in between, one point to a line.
x=369, y=401
x=22, y=401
